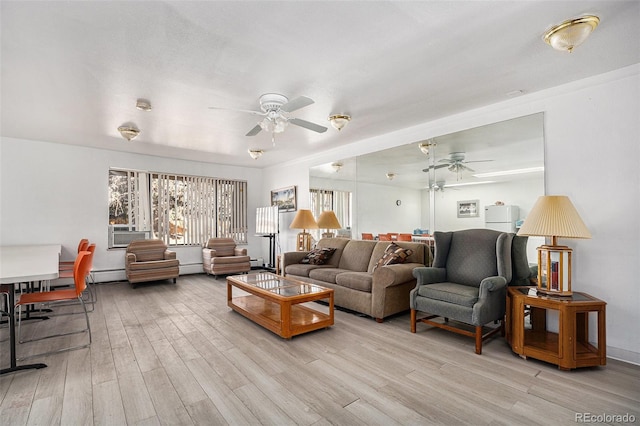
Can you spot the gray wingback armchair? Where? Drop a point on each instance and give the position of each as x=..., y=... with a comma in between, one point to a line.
x=466, y=283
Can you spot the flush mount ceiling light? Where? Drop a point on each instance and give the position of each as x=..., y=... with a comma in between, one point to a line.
x=128, y=132
x=571, y=33
x=426, y=146
x=338, y=121
x=390, y=175
x=336, y=167
x=143, y=105
x=255, y=153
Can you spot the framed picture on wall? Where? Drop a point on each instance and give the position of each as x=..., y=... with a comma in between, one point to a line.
x=285, y=199
x=468, y=208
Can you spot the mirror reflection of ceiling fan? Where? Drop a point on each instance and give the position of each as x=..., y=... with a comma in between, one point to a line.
x=456, y=163
x=275, y=109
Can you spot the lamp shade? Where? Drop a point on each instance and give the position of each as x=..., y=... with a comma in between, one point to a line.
x=304, y=220
x=328, y=220
x=554, y=216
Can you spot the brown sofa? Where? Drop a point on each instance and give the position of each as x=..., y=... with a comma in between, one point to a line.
x=149, y=260
x=350, y=273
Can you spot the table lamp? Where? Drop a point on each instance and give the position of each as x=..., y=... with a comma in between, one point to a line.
x=304, y=220
x=328, y=220
x=554, y=216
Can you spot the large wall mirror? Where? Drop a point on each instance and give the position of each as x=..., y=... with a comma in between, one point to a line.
x=448, y=184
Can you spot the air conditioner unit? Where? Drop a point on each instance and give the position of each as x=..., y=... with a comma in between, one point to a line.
x=121, y=235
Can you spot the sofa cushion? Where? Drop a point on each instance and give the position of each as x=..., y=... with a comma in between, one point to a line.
x=326, y=274
x=393, y=254
x=318, y=256
x=301, y=269
x=356, y=255
x=457, y=294
x=230, y=260
x=154, y=264
x=361, y=281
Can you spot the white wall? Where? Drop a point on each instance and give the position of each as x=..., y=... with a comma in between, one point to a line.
x=55, y=193
x=592, y=153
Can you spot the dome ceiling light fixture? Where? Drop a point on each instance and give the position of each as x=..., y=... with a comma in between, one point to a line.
x=255, y=153
x=390, y=175
x=143, y=105
x=129, y=132
x=426, y=146
x=336, y=167
x=571, y=33
x=338, y=121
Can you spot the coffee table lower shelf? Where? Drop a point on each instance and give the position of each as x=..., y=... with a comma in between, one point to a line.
x=286, y=321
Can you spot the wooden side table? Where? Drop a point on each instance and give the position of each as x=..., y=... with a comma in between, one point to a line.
x=569, y=347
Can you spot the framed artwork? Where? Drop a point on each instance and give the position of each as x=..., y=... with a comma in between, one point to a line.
x=285, y=199
x=468, y=208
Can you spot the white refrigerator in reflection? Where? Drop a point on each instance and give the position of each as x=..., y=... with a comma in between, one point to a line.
x=501, y=218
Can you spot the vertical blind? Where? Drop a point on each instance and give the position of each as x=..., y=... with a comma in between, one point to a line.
x=183, y=210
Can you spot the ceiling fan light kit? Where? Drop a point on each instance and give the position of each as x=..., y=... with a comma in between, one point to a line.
x=336, y=167
x=338, y=121
x=129, y=132
x=571, y=33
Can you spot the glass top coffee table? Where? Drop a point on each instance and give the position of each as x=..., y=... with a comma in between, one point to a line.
x=275, y=302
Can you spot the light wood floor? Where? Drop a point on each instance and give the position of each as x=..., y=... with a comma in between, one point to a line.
x=176, y=354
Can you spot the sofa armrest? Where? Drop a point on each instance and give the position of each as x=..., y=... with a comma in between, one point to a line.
x=169, y=254
x=291, y=257
x=239, y=251
x=390, y=275
x=490, y=285
x=429, y=275
x=130, y=258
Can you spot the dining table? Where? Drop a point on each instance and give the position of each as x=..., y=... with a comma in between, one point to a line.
x=25, y=264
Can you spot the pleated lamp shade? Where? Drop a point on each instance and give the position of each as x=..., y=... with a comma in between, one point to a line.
x=328, y=220
x=304, y=220
x=554, y=216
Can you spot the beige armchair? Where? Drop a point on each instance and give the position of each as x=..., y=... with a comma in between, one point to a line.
x=149, y=260
x=221, y=256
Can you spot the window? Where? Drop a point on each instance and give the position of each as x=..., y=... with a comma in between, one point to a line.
x=180, y=210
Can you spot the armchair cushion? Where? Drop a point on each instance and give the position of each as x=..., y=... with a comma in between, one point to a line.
x=450, y=292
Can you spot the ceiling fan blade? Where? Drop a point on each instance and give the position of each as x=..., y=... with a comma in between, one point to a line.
x=446, y=160
x=254, y=131
x=308, y=125
x=439, y=166
x=240, y=110
x=476, y=161
x=297, y=103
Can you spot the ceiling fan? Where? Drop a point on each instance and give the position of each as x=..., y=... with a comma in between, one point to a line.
x=455, y=163
x=275, y=109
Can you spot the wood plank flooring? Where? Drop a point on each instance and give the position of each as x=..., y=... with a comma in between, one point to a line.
x=166, y=354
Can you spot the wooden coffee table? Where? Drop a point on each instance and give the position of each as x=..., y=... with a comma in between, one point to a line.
x=274, y=302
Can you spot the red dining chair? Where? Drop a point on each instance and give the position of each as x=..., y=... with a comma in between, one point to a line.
x=384, y=237
x=404, y=237
x=93, y=295
x=68, y=264
x=81, y=269
x=367, y=236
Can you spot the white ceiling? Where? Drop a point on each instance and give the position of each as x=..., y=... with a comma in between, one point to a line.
x=72, y=71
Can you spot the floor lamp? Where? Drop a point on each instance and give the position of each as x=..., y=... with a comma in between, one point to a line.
x=304, y=220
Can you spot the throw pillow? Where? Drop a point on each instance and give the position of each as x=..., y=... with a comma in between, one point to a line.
x=318, y=256
x=393, y=254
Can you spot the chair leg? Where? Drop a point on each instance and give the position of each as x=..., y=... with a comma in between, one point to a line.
x=413, y=320
x=479, y=339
